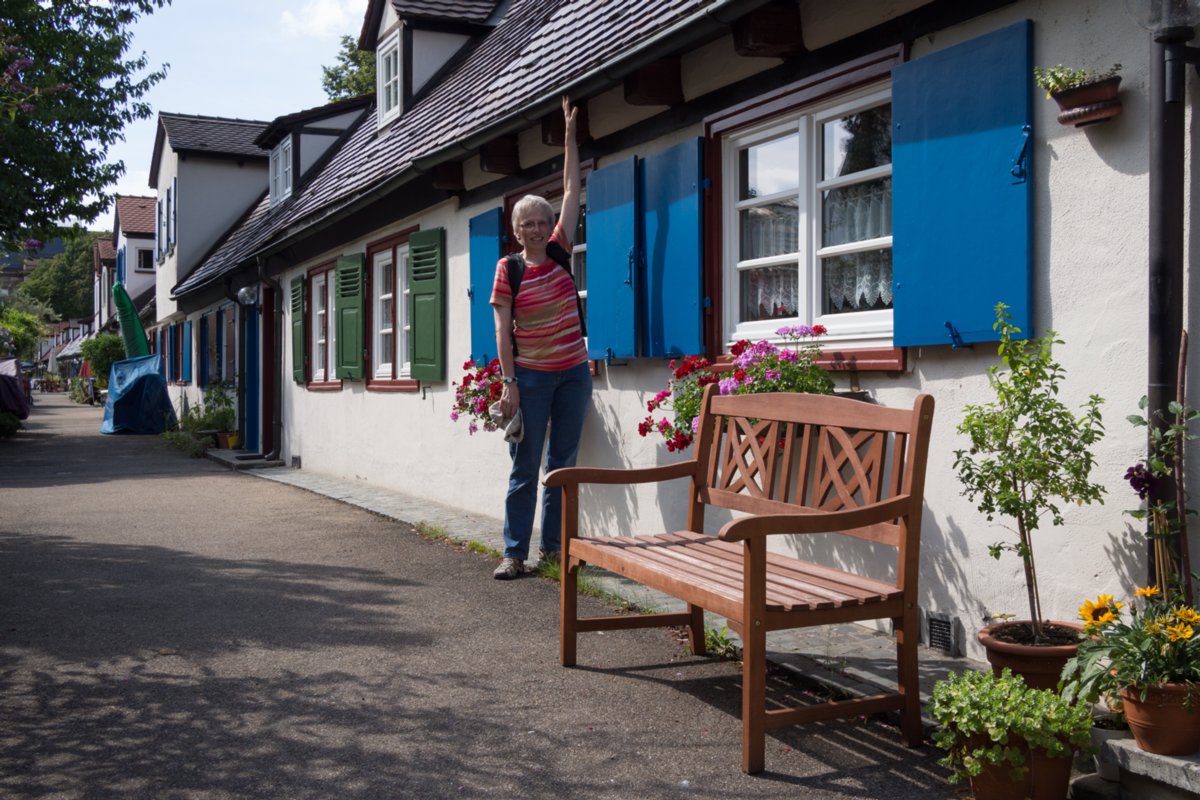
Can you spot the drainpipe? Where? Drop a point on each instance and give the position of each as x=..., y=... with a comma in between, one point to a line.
x=1165, y=317
x=277, y=339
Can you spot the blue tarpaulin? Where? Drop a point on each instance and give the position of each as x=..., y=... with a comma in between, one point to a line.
x=137, y=397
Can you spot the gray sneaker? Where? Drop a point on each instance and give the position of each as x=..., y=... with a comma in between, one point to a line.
x=509, y=568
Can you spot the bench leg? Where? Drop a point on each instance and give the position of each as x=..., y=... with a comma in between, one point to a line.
x=568, y=610
x=754, y=699
x=907, y=676
x=696, y=636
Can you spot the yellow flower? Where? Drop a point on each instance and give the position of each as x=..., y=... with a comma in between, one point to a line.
x=1178, y=632
x=1100, y=611
x=1187, y=615
x=1154, y=628
x=1147, y=591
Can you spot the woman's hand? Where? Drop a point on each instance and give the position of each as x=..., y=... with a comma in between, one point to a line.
x=569, y=112
x=510, y=399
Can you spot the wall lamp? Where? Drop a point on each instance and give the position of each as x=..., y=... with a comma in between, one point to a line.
x=1172, y=22
x=248, y=296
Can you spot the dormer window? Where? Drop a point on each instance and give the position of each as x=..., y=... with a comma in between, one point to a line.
x=281, y=170
x=388, y=76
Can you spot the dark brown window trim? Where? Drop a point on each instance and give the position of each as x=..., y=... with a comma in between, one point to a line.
x=853, y=74
x=379, y=246
x=393, y=385
x=323, y=386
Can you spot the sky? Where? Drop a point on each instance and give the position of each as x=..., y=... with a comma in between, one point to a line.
x=246, y=59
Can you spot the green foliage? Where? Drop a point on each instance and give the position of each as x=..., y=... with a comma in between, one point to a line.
x=102, y=351
x=75, y=390
x=718, y=643
x=219, y=411
x=69, y=92
x=984, y=720
x=1161, y=644
x=24, y=331
x=1028, y=451
x=9, y=425
x=352, y=76
x=1059, y=78
x=21, y=300
x=64, y=282
x=187, y=441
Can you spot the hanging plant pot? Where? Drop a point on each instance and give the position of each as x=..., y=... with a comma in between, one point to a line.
x=1163, y=723
x=1039, y=665
x=1090, y=103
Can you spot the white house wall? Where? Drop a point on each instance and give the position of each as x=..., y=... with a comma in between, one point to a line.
x=213, y=194
x=1090, y=287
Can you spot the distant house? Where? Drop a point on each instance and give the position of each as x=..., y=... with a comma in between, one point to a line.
x=104, y=276
x=886, y=170
x=206, y=170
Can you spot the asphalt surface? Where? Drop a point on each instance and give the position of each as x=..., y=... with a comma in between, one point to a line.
x=172, y=629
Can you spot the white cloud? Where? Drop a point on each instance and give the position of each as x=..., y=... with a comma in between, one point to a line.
x=323, y=19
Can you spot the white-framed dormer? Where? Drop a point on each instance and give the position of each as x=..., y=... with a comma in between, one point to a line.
x=281, y=171
x=388, y=77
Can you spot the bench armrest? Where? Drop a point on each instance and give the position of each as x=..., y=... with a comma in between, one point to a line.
x=816, y=521
x=566, y=475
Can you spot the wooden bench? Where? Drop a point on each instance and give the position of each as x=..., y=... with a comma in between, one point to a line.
x=785, y=464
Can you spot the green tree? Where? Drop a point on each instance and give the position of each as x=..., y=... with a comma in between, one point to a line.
x=352, y=76
x=23, y=301
x=67, y=90
x=65, y=281
x=24, y=331
x=102, y=350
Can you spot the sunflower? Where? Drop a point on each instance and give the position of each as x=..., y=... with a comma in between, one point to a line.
x=1187, y=615
x=1100, y=611
x=1147, y=591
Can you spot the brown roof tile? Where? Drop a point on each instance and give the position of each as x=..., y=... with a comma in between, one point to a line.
x=190, y=133
x=135, y=215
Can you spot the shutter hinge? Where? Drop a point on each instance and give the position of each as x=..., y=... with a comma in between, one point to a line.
x=471, y=293
x=1019, y=167
x=956, y=341
x=629, y=275
x=706, y=184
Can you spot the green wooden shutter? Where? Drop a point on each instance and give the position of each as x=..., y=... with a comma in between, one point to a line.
x=427, y=304
x=348, y=302
x=299, y=374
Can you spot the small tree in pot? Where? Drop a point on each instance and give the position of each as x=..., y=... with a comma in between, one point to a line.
x=1028, y=452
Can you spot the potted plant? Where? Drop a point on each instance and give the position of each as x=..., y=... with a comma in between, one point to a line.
x=1028, y=455
x=1084, y=96
x=220, y=415
x=1007, y=739
x=1151, y=662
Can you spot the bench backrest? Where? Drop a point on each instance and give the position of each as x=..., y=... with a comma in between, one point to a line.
x=786, y=453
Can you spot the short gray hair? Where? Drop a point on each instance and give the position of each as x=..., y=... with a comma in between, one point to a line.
x=528, y=206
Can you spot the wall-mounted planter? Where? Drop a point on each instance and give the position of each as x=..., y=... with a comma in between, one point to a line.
x=1090, y=103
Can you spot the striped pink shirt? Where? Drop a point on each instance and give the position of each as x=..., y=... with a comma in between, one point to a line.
x=547, y=330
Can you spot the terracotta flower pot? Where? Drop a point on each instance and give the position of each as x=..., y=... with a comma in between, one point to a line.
x=1039, y=666
x=1045, y=778
x=1089, y=103
x=1161, y=723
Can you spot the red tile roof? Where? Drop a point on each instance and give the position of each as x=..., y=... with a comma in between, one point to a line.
x=135, y=215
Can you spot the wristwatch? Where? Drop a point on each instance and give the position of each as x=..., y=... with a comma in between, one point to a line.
x=508, y=380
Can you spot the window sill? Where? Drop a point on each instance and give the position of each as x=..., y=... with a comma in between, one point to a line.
x=867, y=359
x=324, y=386
x=394, y=385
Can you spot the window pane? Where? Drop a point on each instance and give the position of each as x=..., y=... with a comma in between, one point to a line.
x=857, y=142
x=858, y=212
x=385, y=347
x=385, y=316
x=769, y=292
x=769, y=168
x=857, y=282
x=769, y=230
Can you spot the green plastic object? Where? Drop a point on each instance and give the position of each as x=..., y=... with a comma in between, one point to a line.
x=132, y=332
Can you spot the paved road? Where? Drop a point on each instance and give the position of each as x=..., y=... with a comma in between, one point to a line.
x=172, y=629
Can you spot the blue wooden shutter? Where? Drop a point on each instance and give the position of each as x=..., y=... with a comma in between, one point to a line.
x=962, y=189
x=186, y=374
x=299, y=342
x=173, y=201
x=612, y=223
x=220, y=365
x=670, y=191
x=485, y=252
x=172, y=374
x=348, y=302
x=427, y=304
x=120, y=265
x=202, y=341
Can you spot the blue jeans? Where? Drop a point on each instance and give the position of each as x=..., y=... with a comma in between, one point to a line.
x=559, y=400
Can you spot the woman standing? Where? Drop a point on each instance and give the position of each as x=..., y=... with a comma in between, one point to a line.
x=546, y=375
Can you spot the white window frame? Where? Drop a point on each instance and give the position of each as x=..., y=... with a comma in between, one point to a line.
x=848, y=329
x=322, y=330
x=137, y=267
x=281, y=171
x=388, y=85
x=386, y=365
